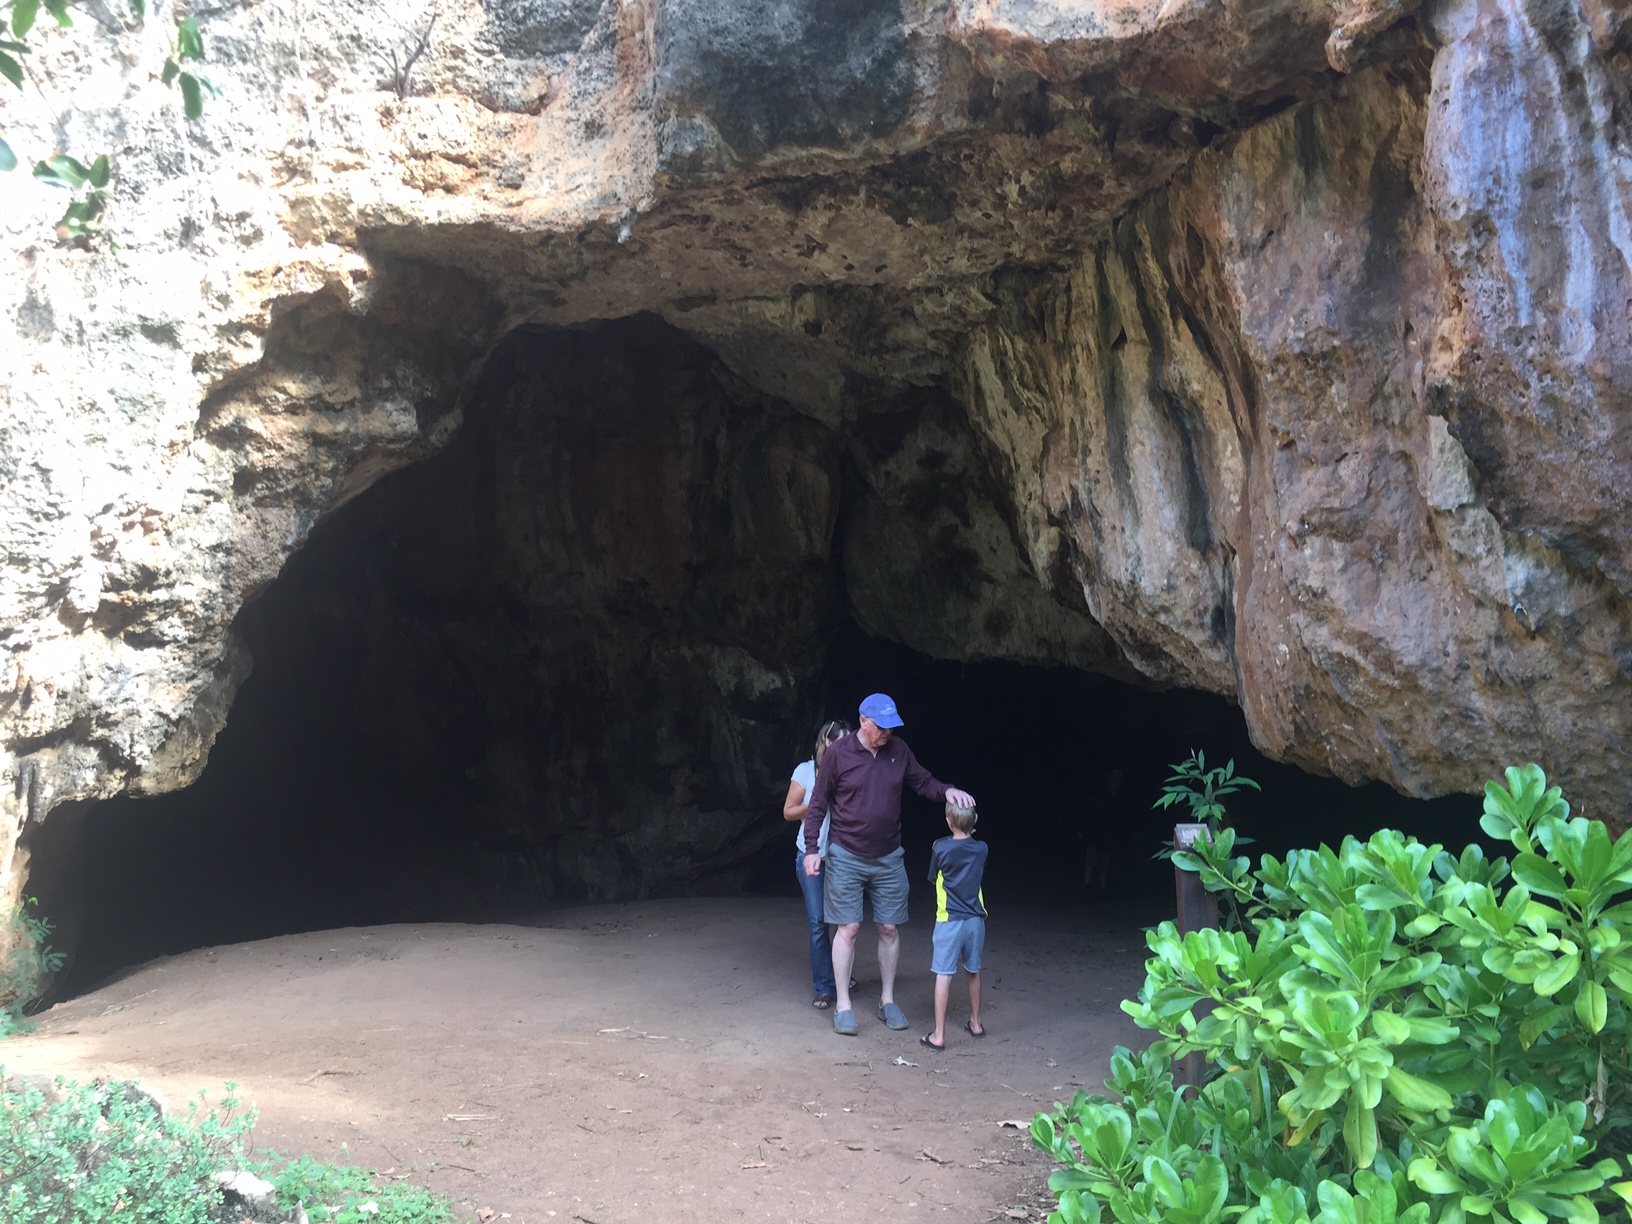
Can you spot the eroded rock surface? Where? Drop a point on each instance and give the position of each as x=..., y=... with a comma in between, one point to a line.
x=1296, y=382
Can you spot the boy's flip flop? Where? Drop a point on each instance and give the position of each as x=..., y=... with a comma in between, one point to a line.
x=844, y=1023
x=925, y=1041
x=892, y=1016
x=823, y=1002
x=969, y=1028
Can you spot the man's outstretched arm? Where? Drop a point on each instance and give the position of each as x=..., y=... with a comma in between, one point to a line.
x=932, y=788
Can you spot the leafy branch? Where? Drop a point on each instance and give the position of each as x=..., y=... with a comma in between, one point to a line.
x=1202, y=789
x=84, y=214
x=189, y=48
x=32, y=959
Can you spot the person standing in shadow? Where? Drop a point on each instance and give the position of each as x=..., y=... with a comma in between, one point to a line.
x=823, y=987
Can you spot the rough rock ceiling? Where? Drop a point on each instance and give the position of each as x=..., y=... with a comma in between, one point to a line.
x=1308, y=384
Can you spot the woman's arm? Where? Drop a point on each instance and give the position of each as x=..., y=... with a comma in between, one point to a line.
x=796, y=804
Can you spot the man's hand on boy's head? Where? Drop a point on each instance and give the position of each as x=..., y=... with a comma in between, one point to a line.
x=959, y=798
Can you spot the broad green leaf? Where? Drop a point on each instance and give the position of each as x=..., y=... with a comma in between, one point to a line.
x=1431, y=1179
x=8, y=159
x=1042, y=1132
x=171, y=69
x=1062, y=1180
x=1336, y=1204
x=1415, y=1093
x=11, y=69
x=23, y=13
x=1557, y=976
x=1539, y=875
x=1166, y=1182
x=192, y=97
x=189, y=42
x=1592, y=1006
x=1543, y=1021
x=98, y=174
x=60, y=170
x=1433, y=1030
x=1079, y=1208
x=1390, y=1028
x=1378, y=897
x=1423, y=925
x=59, y=10
x=1360, y=1132
x=1212, y=1186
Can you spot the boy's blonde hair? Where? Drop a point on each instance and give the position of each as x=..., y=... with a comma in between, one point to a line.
x=963, y=819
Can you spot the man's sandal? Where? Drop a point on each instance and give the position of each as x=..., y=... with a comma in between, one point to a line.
x=844, y=1023
x=823, y=1002
x=969, y=1027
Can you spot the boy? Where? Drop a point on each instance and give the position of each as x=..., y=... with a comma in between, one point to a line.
x=956, y=865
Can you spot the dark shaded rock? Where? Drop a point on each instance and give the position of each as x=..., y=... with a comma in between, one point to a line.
x=820, y=73
x=539, y=27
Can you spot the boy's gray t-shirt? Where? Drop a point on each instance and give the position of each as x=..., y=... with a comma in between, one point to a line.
x=956, y=865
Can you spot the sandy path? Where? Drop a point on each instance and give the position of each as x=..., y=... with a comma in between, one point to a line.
x=648, y=1061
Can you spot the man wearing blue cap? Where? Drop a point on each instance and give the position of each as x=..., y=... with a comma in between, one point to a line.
x=860, y=787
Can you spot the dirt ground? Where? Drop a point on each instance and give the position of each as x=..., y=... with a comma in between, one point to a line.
x=651, y=1061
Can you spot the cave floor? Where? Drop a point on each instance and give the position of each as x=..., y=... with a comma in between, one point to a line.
x=644, y=1061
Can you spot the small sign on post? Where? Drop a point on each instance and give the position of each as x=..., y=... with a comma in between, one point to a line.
x=1198, y=909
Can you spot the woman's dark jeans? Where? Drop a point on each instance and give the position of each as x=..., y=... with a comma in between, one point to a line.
x=821, y=952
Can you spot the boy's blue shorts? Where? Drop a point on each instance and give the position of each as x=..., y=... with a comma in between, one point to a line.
x=958, y=941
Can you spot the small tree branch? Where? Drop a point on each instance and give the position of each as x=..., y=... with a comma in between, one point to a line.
x=402, y=75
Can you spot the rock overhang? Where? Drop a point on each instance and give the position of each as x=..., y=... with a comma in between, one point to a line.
x=1209, y=307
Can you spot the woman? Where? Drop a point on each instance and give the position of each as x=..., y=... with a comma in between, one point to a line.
x=794, y=809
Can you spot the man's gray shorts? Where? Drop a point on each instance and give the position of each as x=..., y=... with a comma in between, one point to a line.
x=849, y=878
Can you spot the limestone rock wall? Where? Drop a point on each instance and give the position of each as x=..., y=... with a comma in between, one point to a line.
x=1266, y=496
x=1300, y=384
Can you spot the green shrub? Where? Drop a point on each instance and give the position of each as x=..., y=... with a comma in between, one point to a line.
x=93, y=1152
x=105, y=1154
x=1402, y=1037
x=336, y=1194
x=31, y=961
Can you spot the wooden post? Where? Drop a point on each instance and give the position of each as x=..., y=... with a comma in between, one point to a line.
x=1198, y=908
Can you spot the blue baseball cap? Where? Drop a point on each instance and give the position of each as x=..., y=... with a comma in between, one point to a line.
x=881, y=710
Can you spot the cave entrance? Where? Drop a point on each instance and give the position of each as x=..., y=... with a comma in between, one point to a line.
x=574, y=656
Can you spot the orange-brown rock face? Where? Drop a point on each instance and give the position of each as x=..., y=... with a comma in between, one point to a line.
x=1285, y=344
x=1270, y=494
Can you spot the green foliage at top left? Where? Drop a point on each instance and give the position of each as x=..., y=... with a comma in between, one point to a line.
x=88, y=182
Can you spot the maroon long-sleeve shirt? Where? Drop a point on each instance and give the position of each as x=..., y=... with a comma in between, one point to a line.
x=863, y=792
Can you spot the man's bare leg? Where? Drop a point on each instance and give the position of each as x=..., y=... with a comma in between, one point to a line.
x=975, y=1026
x=844, y=959
x=889, y=954
x=943, y=993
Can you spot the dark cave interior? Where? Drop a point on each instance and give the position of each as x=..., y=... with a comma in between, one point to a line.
x=575, y=655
